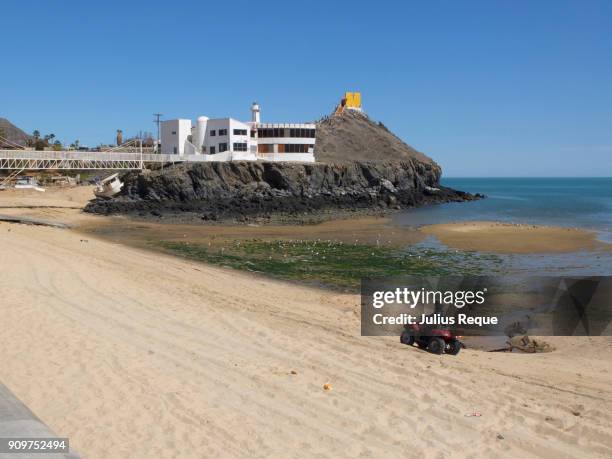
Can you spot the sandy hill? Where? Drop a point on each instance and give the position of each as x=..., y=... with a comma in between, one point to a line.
x=11, y=132
x=353, y=136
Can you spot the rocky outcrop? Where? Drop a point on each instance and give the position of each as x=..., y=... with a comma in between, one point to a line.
x=243, y=190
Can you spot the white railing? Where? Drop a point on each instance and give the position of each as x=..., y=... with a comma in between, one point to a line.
x=32, y=159
x=86, y=156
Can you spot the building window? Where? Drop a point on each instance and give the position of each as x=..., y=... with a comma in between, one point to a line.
x=240, y=146
x=222, y=131
x=268, y=132
x=296, y=148
x=240, y=132
x=212, y=150
x=213, y=133
x=222, y=146
x=173, y=132
x=276, y=132
x=253, y=133
x=303, y=133
x=265, y=148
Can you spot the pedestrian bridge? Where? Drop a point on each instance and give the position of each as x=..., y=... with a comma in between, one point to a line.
x=43, y=160
x=19, y=160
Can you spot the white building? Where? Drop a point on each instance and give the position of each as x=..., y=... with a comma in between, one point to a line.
x=227, y=139
x=177, y=131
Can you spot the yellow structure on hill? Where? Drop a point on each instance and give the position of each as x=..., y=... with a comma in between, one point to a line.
x=351, y=100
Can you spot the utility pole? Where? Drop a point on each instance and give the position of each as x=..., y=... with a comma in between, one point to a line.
x=157, y=122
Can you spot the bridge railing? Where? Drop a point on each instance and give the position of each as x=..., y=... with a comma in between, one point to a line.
x=86, y=156
x=32, y=159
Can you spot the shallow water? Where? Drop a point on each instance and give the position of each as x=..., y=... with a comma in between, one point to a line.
x=572, y=202
x=581, y=263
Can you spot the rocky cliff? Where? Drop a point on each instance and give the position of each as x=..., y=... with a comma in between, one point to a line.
x=360, y=166
x=244, y=190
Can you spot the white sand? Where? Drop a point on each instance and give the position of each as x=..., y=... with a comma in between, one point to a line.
x=140, y=355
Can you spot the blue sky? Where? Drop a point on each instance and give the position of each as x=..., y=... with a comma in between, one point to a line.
x=486, y=88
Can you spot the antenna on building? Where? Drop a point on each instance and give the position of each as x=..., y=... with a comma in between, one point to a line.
x=157, y=121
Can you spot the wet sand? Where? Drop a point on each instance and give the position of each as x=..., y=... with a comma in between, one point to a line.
x=367, y=230
x=491, y=237
x=499, y=237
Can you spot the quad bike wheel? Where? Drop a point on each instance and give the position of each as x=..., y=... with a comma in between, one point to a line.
x=407, y=338
x=436, y=346
x=454, y=346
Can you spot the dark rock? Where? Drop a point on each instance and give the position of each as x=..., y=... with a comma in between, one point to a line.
x=240, y=190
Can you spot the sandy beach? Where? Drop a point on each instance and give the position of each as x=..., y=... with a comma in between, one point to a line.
x=132, y=353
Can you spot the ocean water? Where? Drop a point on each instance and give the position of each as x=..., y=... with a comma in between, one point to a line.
x=572, y=202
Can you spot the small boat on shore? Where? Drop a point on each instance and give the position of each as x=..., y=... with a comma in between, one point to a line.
x=108, y=187
x=27, y=183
